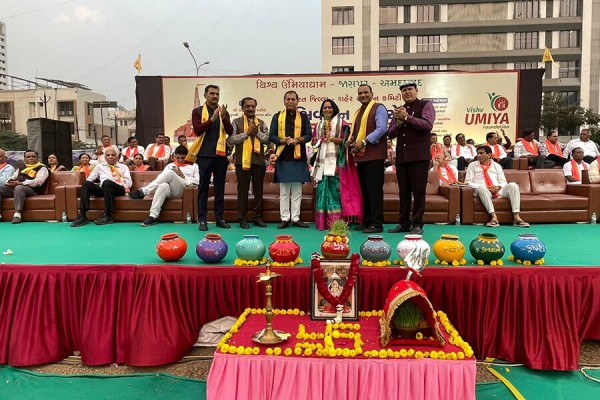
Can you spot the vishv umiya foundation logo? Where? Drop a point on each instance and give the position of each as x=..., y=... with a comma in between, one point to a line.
x=498, y=102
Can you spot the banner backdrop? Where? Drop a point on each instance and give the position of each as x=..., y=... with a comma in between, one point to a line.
x=473, y=103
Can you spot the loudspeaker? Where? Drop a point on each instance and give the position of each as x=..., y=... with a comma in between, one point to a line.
x=51, y=136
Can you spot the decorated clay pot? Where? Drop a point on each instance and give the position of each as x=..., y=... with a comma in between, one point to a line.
x=409, y=243
x=487, y=248
x=284, y=249
x=332, y=249
x=375, y=249
x=448, y=248
x=527, y=247
x=212, y=248
x=250, y=248
x=171, y=247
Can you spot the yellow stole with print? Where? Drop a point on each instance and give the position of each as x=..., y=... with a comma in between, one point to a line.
x=29, y=169
x=250, y=144
x=195, y=148
x=297, y=132
x=362, y=130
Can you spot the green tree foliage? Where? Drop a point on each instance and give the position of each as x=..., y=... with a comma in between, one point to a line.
x=79, y=145
x=556, y=113
x=12, y=141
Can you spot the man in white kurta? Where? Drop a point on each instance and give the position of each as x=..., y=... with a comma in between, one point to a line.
x=170, y=183
x=447, y=172
x=462, y=152
x=590, y=149
x=572, y=169
x=487, y=179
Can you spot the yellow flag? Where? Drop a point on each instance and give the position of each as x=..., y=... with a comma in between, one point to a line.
x=138, y=64
x=548, y=57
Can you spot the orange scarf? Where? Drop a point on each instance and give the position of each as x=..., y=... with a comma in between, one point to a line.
x=141, y=168
x=468, y=146
x=180, y=165
x=497, y=152
x=488, y=179
x=531, y=147
x=118, y=177
x=451, y=178
x=129, y=153
x=436, y=149
x=159, y=153
x=575, y=170
x=554, y=148
x=3, y=165
x=86, y=170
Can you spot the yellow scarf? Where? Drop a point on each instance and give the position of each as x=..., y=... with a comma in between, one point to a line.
x=362, y=130
x=195, y=147
x=118, y=177
x=29, y=169
x=297, y=132
x=250, y=144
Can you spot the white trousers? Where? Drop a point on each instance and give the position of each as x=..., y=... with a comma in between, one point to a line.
x=511, y=191
x=167, y=184
x=290, y=192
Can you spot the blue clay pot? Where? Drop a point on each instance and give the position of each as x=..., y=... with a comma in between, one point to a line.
x=250, y=248
x=212, y=248
x=527, y=247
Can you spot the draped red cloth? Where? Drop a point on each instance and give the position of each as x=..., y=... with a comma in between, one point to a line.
x=151, y=315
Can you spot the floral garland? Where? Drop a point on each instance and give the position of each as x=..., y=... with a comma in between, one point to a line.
x=249, y=263
x=287, y=264
x=337, y=239
x=348, y=286
x=384, y=263
x=527, y=262
x=454, y=263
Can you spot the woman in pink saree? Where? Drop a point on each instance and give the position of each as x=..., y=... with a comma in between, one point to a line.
x=338, y=193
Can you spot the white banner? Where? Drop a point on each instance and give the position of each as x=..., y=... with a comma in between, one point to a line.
x=472, y=103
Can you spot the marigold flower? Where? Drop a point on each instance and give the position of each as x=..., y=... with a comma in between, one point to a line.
x=411, y=352
x=277, y=351
x=287, y=352
x=308, y=352
x=232, y=350
x=383, y=353
x=511, y=258
x=493, y=263
x=269, y=351
x=298, y=351
x=444, y=263
x=256, y=351
x=526, y=262
x=436, y=261
x=403, y=353
x=225, y=348
x=479, y=262
x=433, y=355
x=346, y=352
x=419, y=336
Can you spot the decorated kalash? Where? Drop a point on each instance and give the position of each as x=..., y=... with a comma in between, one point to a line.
x=408, y=327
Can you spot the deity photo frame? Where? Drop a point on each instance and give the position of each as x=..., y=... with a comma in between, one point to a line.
x=334, y=282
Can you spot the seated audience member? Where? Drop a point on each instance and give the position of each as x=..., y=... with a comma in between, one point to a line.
x=53, y=163
x=573, y=168
x=182, y=140
x=507, y=141
x=391, y=154
x=131, y=150
x=157, y=151
x=447, y=141
x=553, y=150
x=115, y=180
x=25, y=182
x=6, y=170
x=84, y=165
x=498, y=152
x=100, y=150
x=448, y=173
x=471, y=142
x=437, y=148
x=529, y=148
x=170, y=183
x=138, y=164
x=463, y=153
x=172, y=147
x=272, y=161
x=594, y=171
x=488, y=181
x=590, y=148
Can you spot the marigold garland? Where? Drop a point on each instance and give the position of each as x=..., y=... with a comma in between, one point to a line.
x=297, y=261
x=249, y=263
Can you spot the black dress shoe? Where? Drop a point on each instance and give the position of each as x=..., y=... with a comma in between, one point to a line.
x=202, y=226
x=80, y=221
x=373, y=229
x=104, y=220
x=283, y=224
x=222, y=224
x=136, y=195
x=149, y=221
x=300, y=224
x=417, y=230
x=399, y=228
x=360, y=227
x=260, y=223
x=244, y=224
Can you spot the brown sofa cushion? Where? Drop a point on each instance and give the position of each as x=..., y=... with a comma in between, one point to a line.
x=548, y=181
x=521, y=178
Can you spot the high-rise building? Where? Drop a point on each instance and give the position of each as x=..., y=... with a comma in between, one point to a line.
x=407, y=35
x=3, y=65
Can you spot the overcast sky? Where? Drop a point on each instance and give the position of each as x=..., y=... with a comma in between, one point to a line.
x=96, y=43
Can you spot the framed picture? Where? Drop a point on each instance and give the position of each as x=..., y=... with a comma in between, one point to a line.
x=334, y=282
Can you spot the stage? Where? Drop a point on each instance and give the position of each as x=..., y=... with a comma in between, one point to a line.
x=143, y=315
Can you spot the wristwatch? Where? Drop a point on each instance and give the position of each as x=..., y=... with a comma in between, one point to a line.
x=364, y=142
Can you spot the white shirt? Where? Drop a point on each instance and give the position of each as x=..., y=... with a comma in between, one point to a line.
x=568, y=171
x=129, y=152
x=468, y=151
x=444, y=173
x=100, y=158
x=476, y=179
x=594, y=172
x=103, y=172
x=520, y=150
x=190, y=171
x=6, y=172
x=152, y=149
x=500, y=149
x=589, y=148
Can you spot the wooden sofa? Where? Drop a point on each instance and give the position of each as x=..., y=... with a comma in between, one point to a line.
x=545, y=198
x=50, y=205
x=174, y=209
x=441, y=204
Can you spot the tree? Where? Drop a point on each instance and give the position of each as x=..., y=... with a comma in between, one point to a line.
x=558, y=114
x=79, y=145
x=12, y=141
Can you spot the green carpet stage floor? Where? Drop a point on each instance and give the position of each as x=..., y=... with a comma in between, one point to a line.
x=128, y=243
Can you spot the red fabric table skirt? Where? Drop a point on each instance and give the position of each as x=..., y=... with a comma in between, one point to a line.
x=235, y=376
x=151, y=315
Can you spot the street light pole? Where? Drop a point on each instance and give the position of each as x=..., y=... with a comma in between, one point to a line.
x=187, y=46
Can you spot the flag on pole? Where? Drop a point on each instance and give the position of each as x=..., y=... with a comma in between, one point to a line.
x=138, y=64
x=548, y=57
